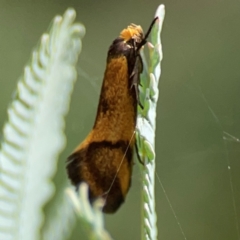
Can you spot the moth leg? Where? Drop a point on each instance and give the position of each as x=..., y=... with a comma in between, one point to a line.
x=135, y=85
x=138, y=156
x=135, y=76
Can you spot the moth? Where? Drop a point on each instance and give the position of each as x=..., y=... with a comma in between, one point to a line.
x=104, y=160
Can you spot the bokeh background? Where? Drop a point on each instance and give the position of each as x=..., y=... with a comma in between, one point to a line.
x=198, y=130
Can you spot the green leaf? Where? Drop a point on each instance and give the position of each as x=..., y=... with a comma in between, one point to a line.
x=33, y=136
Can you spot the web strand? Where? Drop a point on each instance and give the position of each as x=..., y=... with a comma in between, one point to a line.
x=107, y=192
x=227, y=160
x=171, y=207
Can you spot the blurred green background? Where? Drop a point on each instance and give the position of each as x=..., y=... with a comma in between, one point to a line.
x=197, y=146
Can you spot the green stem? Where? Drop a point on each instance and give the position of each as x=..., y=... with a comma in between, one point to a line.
x=146, y=126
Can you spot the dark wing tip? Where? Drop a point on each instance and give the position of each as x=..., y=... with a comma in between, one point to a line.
x=73, y=168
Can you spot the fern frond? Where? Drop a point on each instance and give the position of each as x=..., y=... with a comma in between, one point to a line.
x=92, y=216
x=33, y=136
x=146, y=125
x=61, y=220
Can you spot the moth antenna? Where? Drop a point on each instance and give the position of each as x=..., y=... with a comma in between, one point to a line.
x=147, y=34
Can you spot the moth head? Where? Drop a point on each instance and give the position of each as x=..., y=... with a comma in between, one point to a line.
x=134, y=37
x=132, y=33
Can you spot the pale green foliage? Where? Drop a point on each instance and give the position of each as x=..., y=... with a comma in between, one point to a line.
x=33, y=136
x=146, y=125
x=90, y=214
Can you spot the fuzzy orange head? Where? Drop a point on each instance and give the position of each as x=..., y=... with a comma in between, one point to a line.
x=135, y=33
x=132, y=32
